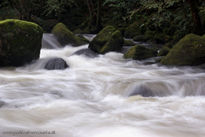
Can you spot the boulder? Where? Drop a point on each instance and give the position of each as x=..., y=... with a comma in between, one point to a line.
x=139, y=52
x=164, y=51
x=108, y=39
x=87, y=52
x=20, y=42
x=190, y=50
x=65, y=36
x=143, y=91
x=56, y=64
x=128, y=43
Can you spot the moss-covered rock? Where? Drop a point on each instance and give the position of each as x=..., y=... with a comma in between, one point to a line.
x=65, y=36
x=190, y=50
x=140, y=52
x=164, y=51
x=20, y=42
x=108, y=39
x=128, y=43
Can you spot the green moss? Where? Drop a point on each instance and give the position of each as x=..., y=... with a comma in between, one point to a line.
x=139, y=53
x=65, y=36
x=128, y=43
x=190, y=50
x=20, y=42
x=164, y=51
x=108, y=39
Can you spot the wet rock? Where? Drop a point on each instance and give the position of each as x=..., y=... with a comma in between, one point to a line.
x=56, y=64
x=87, y=52
x=2, y=103
x=139, y=52
x=65, y=36
x=108, y=39
x=143, y=91
x=20, y=42
x=190, y=50
x=128, y=43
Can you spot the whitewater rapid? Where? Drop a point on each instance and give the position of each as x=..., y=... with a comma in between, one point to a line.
x=92, y=98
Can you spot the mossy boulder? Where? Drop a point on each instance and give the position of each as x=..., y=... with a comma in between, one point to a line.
x=190, y=50
x=128, y=43
x=164, y=51
x=65, y=36
x=20, y=42
x=108, y=39
x=139, y=52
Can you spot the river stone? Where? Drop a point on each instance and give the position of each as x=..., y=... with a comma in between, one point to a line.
x=20, y=42
x=65, y=36
x=56, y=64
x=139, y=52
x=108, y=39
x=143, y=91
x=87, y=52
x=2, y=103
x=190, y=50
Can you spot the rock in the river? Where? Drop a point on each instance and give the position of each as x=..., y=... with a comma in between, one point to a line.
x=56, y=64
x=87, y=52
x=65, y=36
x=128, y=43
x=143, y=91
x=108, y=39
x=139, y=53
x=190, y=50
x=164, y=51
x=20, y=42
x=2, y=103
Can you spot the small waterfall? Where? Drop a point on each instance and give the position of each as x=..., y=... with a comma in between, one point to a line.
x=49, y=41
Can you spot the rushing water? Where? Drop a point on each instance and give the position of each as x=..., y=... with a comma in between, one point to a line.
x=92, y=98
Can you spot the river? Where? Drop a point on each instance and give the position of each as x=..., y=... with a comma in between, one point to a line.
x=97, y=97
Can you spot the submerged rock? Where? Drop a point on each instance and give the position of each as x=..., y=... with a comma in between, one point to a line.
x=2, y=103
x=56, y=64
x=190, y=50
x=65, y=36
x=87, y=52
x=108, y=39
x=20, y=42
x=143, y=91
x=139, y=53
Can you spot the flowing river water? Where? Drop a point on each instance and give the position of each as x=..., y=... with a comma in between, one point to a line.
x=92, y=98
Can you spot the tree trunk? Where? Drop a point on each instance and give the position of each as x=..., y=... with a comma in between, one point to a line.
x=98, y=22
x=195, y=16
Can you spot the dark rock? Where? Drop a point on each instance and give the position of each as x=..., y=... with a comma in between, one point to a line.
x=108, y=39
x=65, y=36
x=143, y=91
x=56, y=64
x=190, y=50
x=128, y=43
x=139, y=52
x=20, y=42
x=87, y=52
x=2, y=103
